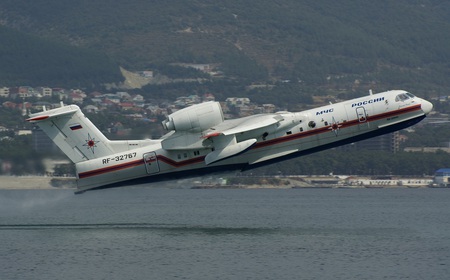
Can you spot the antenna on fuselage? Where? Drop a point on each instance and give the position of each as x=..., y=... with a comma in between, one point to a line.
x=370, y=92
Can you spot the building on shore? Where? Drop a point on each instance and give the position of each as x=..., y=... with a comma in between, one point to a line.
x=442, y=177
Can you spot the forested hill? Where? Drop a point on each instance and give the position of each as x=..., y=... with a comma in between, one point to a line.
x=29, y=60
x=318, y=42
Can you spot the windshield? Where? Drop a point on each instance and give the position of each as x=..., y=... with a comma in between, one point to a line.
x=404, y=96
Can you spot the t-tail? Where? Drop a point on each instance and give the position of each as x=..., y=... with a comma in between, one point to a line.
x=73, y=133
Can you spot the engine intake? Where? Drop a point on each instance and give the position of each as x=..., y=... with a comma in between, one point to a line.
x=195, y=118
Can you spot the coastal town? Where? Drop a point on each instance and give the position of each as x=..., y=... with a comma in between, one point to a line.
x=136, y=108
x=131, y=105
x=121, y=109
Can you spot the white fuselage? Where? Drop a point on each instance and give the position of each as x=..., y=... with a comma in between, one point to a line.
x=298, y=133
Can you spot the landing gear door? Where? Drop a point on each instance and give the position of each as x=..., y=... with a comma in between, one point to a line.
x=151, y=163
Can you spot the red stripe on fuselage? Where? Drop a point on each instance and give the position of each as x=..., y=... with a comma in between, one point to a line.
x=135, y=163
x=181, y=163
x=108, y=169
x=342, y=126
x=395, y=113
x=197, y=160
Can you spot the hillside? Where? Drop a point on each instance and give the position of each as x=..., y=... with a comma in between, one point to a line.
x=29, y=60
x=320, y=43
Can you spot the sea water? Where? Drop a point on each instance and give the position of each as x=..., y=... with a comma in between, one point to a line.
x=157, y=233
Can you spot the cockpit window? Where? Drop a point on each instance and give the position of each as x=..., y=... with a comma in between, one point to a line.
x=410, y=95
x=402, y=97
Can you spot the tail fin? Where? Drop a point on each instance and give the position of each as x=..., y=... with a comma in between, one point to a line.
x=73, y=133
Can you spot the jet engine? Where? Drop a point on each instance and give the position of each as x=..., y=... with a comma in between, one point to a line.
x=195, y=118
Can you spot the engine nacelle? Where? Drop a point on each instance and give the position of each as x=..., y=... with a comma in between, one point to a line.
x=195, y=118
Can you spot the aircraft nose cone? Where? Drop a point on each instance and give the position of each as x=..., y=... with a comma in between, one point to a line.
x=426, y=106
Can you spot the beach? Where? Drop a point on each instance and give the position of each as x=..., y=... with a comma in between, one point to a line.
x=34, y=182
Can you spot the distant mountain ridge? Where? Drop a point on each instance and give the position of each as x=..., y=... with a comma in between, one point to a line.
x=317, y=42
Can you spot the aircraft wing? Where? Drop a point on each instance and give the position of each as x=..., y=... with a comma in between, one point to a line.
x=232, y=127
x=221, y=138
x=223, y=135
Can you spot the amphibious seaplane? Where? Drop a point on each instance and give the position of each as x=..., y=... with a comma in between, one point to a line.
x=200, y=140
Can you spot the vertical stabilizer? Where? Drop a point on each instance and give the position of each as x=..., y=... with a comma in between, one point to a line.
x=73, y=133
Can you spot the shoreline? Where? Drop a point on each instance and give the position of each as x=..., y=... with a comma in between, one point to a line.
x=55, y=183
x=32, y=183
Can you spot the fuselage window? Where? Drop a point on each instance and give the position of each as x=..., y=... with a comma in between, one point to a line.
x=312, y=124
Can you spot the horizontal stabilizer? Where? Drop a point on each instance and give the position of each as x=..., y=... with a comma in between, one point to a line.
x=73, y=133
x=229, y=151
x=45, y=115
